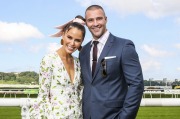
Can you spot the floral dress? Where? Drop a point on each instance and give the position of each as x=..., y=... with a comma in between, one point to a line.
x=58, y=98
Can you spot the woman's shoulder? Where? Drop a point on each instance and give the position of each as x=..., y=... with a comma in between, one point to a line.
x=49, y=56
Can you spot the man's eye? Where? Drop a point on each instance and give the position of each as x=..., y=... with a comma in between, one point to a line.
x=90, y=20
x=99, y=18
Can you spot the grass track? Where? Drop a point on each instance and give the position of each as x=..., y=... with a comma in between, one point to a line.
x=10, y=112
x=159, y=113
x=144, y=113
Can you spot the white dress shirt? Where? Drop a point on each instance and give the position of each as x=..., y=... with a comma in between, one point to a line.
x=102, y=41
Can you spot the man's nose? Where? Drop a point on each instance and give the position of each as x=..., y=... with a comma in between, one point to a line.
x=95, y=23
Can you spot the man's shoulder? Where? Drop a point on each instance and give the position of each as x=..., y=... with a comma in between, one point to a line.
x=119, y=39
x=87, y=44
x=85, y=47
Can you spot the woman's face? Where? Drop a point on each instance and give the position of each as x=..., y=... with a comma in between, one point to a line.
x=72, y=40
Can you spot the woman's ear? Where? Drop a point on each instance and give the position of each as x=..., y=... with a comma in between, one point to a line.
x=61, y=41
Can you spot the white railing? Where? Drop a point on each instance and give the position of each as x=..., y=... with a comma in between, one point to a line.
x=160, y=102
x=24, y=103
x=173, y=92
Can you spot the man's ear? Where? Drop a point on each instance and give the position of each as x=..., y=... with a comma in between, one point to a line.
x=85, y=22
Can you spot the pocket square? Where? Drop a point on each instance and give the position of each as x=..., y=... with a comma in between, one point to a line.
x=110, y=57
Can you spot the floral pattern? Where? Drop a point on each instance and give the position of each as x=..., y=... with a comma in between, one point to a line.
x=58, y=97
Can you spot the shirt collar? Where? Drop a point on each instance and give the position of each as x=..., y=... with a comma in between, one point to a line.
x=102, y=39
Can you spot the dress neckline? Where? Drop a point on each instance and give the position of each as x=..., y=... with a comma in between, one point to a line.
x=74, y=63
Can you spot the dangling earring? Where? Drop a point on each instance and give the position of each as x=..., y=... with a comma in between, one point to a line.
x=61, y=41
x=80, y=48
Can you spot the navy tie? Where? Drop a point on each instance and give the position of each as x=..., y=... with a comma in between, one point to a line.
x=94, y=61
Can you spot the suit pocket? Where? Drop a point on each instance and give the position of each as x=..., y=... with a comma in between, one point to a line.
x=114, y=103
x=112, y=66
x=111, y=61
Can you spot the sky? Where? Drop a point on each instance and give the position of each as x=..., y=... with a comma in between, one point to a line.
x=153, y=26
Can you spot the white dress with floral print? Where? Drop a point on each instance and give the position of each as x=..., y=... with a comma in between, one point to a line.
x=58, y=98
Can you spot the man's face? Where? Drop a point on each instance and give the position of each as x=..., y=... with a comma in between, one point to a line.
x=96, y=22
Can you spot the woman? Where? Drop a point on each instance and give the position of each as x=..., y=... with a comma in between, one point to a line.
x=59, y=79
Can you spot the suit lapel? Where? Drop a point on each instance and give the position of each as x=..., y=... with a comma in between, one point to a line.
x=104, y=53
x=87, y=61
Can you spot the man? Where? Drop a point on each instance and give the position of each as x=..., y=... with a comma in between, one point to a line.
x=115, y=88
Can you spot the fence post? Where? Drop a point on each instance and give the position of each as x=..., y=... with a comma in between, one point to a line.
x=25, y=108
x=24, y=112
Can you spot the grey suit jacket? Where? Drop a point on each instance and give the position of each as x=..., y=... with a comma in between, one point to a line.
x=118, y=95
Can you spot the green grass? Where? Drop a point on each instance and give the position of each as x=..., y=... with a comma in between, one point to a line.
x=8, y=82
x=159, y=113
x=144, y=113
x=10, y=112
x=31, y=91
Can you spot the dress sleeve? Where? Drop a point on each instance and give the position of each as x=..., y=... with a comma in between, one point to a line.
x=41, y=107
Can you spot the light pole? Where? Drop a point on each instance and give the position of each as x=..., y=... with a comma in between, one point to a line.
x=150, y=79
x=1, y=75
x=2, y=78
